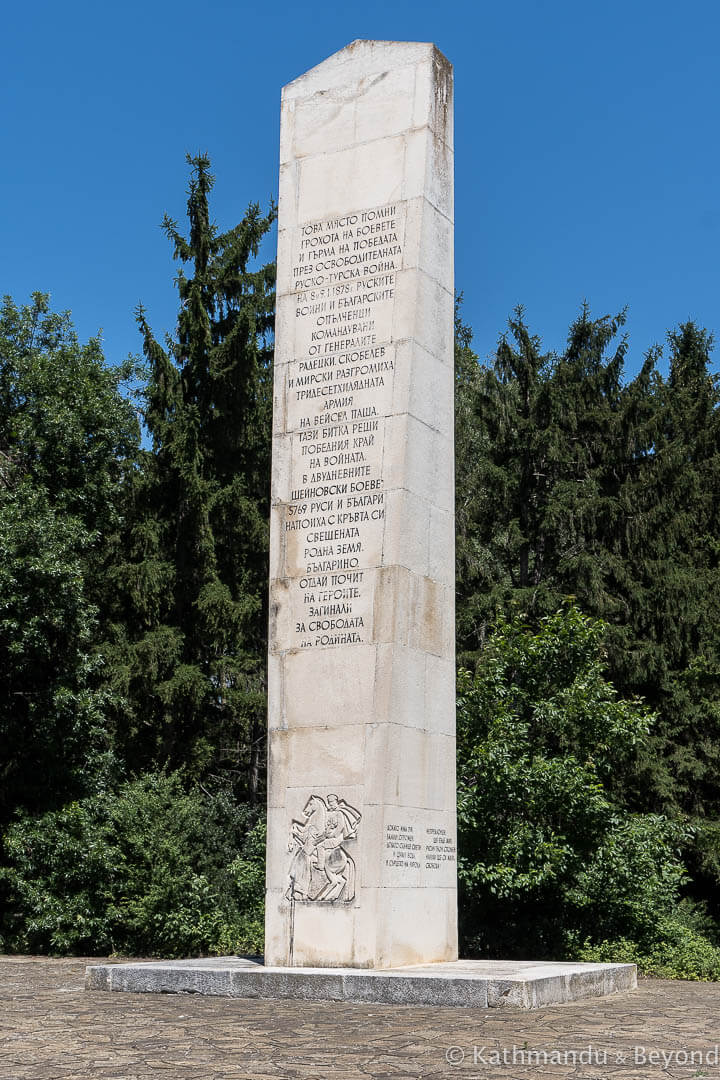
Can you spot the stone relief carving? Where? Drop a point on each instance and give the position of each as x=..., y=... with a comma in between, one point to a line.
x=321, y=870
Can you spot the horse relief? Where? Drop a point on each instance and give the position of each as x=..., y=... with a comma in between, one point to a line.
x=321, y=869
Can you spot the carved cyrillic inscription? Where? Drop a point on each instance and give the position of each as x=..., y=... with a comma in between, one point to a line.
x=401, y=848
x=321, y=868
x=439, y=848
x=338, y=391
x=411, y=846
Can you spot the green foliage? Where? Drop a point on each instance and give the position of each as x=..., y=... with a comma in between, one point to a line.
x=67, y=435
x=542, y=441
x=65, y=425
x=188, y=633
x=52, y=719
x=151, y=869
x=133, y=613
x=573, y=482
x=547, y=849
x=681, y=946
x=677, y=565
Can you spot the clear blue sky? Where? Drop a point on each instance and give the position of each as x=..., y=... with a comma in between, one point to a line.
x=587, y=148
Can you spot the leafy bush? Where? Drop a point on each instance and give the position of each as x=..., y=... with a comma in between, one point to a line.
x=550, y=857
x=680, y=946
x=150, y=870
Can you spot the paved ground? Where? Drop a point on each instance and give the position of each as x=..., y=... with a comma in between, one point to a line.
x=51, y=1029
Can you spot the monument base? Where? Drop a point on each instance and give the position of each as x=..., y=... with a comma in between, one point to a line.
x=466, y=983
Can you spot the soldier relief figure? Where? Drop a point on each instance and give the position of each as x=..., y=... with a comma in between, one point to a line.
x=321, y=869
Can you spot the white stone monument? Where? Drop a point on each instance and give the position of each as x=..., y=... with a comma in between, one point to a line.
x=361, y=868
x=361, y=772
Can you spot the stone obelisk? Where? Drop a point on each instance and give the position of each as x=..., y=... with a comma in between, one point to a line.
x=361, y=868
x=361, y=803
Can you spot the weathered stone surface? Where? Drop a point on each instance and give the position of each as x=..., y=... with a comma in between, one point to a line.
x=361, y=842
x=467, y=983
x=51, y=1030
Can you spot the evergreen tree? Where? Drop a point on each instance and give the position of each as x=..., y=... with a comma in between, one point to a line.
x=190, y=635
x=675, y=608
x=545, y=439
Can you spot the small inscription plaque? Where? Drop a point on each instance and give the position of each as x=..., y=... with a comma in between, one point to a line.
x=439, y=848
x=410, y=846
x=401, y=848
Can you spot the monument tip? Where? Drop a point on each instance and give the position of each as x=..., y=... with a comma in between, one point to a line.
x=370, y=56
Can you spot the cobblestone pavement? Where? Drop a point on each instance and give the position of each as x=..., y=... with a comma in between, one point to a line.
x=51, y=1029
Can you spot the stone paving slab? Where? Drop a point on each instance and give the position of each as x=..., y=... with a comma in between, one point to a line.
x=465, y=983
x=52, y=1029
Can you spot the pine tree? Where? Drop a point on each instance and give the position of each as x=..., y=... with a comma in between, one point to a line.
x=191, y=637
x=543, y=436
x=675, y=611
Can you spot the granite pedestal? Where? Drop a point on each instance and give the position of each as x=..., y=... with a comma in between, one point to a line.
x=466, y=983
